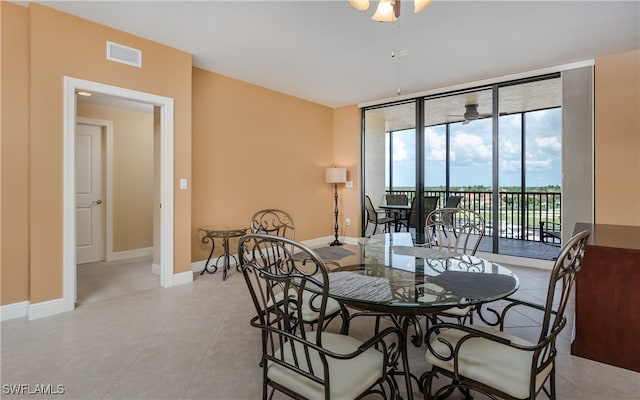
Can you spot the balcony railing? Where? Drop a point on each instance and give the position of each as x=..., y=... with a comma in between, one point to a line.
x=520, y=213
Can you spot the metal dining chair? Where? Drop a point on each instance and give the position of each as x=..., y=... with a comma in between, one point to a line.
x=498, y=364
x=310, y=364
x=276, y=222
x=454, y=230
x=457, y=230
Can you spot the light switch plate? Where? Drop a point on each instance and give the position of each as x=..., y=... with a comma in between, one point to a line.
x=183, y=184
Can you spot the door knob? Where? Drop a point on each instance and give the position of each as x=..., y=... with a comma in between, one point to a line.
x=98, y=202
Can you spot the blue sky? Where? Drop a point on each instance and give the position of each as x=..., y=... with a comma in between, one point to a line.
x=471, y=152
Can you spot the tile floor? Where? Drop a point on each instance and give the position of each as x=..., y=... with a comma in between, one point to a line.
x=194, y=342
x=102, y=280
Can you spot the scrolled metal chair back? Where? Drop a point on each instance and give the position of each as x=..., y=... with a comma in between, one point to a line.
x=281, y=274
x=561, y=281
x=273, y=222
x=455, y=230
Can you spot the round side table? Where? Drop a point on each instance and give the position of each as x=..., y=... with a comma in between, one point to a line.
x=225, y=233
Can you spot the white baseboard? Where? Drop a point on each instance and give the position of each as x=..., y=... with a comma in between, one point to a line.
x=182, y=278
x=46, y=309
x=155, y=268
x=13, y=311
x=517, y=261
x=128, y=254
x=198, y=266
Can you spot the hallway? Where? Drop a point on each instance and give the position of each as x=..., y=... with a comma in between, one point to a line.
x=107, y=280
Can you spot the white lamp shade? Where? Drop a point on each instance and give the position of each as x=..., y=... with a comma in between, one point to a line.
x=360, y=4
x=335, y=175
x=420, y=5
x=384, y=12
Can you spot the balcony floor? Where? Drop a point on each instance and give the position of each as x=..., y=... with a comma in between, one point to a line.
x=516, y=248
x=521, y=248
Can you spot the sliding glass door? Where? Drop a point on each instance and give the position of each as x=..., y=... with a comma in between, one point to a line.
x=458, y=150
x=389, y=154
x=493, y=149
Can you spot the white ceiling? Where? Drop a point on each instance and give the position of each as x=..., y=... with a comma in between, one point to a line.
x=330, y=53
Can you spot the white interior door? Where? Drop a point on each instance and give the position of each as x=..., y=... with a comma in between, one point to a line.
x=89, y=200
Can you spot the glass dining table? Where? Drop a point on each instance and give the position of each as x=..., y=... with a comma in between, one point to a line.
x=398, y=275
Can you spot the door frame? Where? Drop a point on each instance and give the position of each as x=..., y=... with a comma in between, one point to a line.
x=71, y=87
x=107, y=132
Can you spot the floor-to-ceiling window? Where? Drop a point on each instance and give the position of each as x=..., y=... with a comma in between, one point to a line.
x=498, y=147
x=389, y=152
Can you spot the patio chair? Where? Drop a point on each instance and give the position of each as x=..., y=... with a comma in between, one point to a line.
x=430, y=203
x=397, y=199
x=498, y=364
x=376, y=217
x=310, y=364
x=400, y=216
x=550, y=233
x=453, y=201
x=279, y=223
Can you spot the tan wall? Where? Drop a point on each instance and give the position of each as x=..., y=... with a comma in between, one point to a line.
x=132, y=174
x=14, y=212
x=617, y=139
x=62, y=45
x=346, y=149
x=254, y=148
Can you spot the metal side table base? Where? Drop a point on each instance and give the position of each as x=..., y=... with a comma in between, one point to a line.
x=211, y=233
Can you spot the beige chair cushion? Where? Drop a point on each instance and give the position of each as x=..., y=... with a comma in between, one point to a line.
x=430, y=296
x=348, y=378
x=457, y=311
x=494, y=364
x=308, y=314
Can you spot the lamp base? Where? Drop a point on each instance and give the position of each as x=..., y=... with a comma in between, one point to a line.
x=335, y=243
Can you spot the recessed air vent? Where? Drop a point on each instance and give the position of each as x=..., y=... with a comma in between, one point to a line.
x=123, y=54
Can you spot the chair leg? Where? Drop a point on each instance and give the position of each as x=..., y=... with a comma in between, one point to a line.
x=344, y=314
x=466, y=392
x=552, y=383
x=426, y=381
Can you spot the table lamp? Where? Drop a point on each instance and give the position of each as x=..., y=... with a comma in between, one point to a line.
x=335, y=175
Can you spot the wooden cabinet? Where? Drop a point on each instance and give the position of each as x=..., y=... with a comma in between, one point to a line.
x=607, y=324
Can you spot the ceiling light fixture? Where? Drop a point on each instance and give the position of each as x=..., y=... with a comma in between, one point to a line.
x=388, y=10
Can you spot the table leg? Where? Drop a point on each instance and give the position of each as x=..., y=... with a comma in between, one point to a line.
x=396, y=220
x=404, y=322
x=226, y=258
x=206, y=240
x=225, y=245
